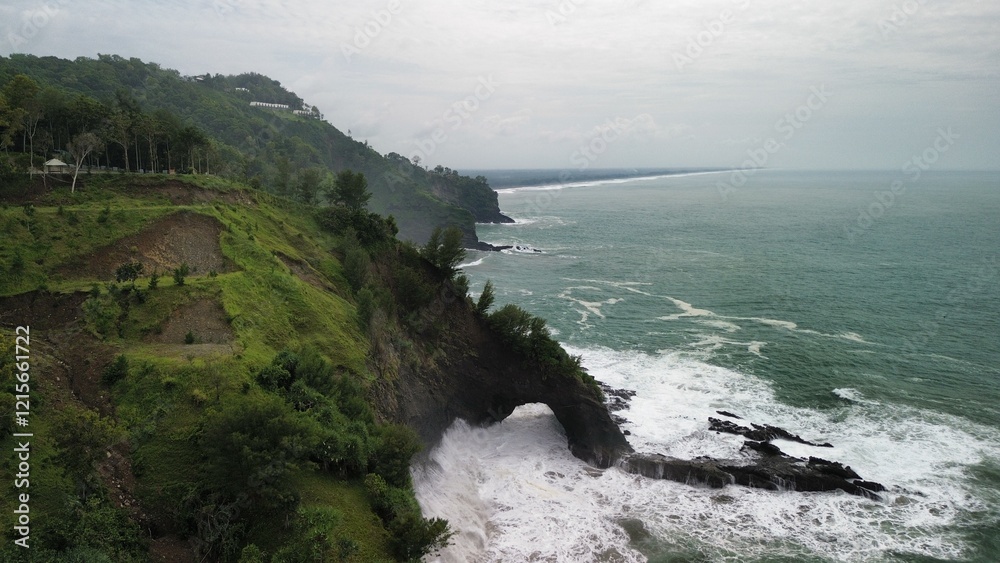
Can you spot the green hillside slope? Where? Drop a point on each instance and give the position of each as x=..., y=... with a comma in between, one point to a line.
x=177, y=417
x=207, y=123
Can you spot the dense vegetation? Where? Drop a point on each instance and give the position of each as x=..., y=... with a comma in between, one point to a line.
x=261, y=448
x=150, y=118
x=214, y=340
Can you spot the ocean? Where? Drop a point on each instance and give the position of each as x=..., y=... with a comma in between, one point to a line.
x=856, y=308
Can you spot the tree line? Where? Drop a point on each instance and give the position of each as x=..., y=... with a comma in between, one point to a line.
x=39, y=121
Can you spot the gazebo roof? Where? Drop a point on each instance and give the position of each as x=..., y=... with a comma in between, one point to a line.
x=55, y=162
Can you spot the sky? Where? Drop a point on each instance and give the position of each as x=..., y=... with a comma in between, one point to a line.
x=848, y=84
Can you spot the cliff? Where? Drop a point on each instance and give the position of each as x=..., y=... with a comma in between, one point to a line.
x=480, y=379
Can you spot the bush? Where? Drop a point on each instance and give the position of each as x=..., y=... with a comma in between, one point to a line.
x=370, y=228
x=394, y=446
x=189, y=338
x=529, y=337
x=154, y=280
x=180, y=273
x=413, y=536
x=366, y=307
x=128, y=272
x=274, y=377
x=115, y=372
x=356, y=267
x=413, y=291
x=101, y=314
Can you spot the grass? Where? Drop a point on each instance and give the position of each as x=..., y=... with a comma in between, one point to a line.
x=161, y=402
x=350, y=500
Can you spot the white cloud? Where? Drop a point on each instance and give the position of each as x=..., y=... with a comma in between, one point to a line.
x=558, y=78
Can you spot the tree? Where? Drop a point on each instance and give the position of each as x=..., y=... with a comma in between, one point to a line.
x=118, y=130
x=82, y=438
x=128, y=272
x=445, y=250
x=486, y=298
x=21, y=94
x=251, y=444
x=309, y=182
x=350, y=189
x=180, y=273
x=80, y=147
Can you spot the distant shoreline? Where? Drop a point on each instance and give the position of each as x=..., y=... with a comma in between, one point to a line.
x=598, y=182
x=504, y=179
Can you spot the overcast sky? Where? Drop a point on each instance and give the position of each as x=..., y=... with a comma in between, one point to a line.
x=550, y=84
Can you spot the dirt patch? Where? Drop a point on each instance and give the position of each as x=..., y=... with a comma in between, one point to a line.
x=168, y=242
x=170, y=549
x=204, y=318
x=306, y=273
x=181, y=193
x=41, y=310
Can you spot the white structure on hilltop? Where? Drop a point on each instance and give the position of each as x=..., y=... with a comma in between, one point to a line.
x=268, y=105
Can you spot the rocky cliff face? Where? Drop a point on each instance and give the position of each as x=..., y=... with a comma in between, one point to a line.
x=475, y=377
x=479, y=379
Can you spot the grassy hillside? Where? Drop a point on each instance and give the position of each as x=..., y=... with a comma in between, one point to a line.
x=223, y=414
x=274, y=149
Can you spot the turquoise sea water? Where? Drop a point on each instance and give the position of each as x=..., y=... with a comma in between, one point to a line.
x=840, y=306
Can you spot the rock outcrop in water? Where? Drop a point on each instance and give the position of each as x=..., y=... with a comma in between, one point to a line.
x=475, y=377
x=773, y=469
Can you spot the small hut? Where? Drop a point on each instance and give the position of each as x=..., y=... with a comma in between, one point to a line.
x=56, y=166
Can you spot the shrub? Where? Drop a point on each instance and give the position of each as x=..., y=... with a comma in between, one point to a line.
x=366, y=307
x=394, y=445
x=274, y=377
x=189, y=338
x=116, y=371
x=356, y=267
x=128, y=272
x=413, y=291
x=101, y=314
x=154, y=280
x=180, y=273
x=17, y=263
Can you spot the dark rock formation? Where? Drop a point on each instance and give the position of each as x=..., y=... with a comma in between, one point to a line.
x=476, y=377
x=479, y=379
x=729, y=414
x=616, y=399
x=760, y=432
x=772, y=472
